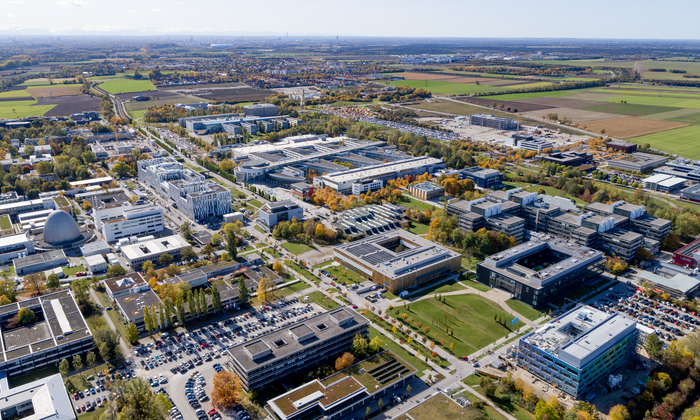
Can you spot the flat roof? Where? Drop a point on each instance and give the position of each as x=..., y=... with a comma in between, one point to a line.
x=124, y=282
x=681, y=282
x=427, y=186
x=40, y=258
x=655, y=179
x=132, y=305
x=381, y=169
x=105, y=179
x=154, y=246
x=47, y=396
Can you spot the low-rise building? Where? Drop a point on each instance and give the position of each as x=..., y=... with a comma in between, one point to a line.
x=151, y=250
x=484, y=178
x=125, y=285
x=366, y=185
x=272, y=213
x=40, y=399
x=39, y=262
x=233, y=217
x=664, y=183
x=131, y=307
x=96, y=263
x=6, y=227
x=426, y=190
x=679, y=286
x=578, y=349
x=95, y=248
x=302, y=191
x=621, y=146
x=369, y=220
x=397, y=260
x=568, y=158
x=298, y=348
x=15, y=246
x=638, y=162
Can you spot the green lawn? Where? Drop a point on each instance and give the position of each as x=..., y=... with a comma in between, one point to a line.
x=523, y=309
x=318, y=298
x=17, y=109
x=304, y=273
x=236, y=193
x=19, y=94
x=273, y=252
x=259, y=229
x=506, y=405
x=323, y=264
x=471, y=317
x=445, y=287
x=529, y=95
x=400, y=351
x=414, y=204
x=126, y=86
x=632, y=110
x=344, y=274
x=451, y=88
x=292, y=289
x=72, y=271
x=255, y=203
x=679, y=141
x=470, y=280
x=297, y=248
x=554, y=192
x=419, y=228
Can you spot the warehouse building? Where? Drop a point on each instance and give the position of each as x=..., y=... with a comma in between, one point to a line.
x=397, y=260
x=298, y=348
x=576, y=350
x=568, y=158
x=484, y=178
x=492, y=121
x=343, y=181
x=58, y=332
x=541, y=270
x=426, y=190
x=638, y=162
x=151, y=250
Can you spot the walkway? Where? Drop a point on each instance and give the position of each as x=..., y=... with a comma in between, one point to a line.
x=125, y=347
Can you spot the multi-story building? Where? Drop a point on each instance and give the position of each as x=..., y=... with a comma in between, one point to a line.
x=481, y=213
x=576, y=350
x=125, y=285
x=298, y=348
x=492, y=121
x=664, y=183
x=541, y=270
x=15, y=246
x=260, y=110
x=688, y=255
x=58, y=332
x=188, y=190
x=484, y=178
x=637, y=220
x=397, y=260
x=271, y=214
x=122, y=221
x=366, y=185
x=342, y=393
x=14, y=208
x=536, y=144
x=369, y=220
x=39, y=262
x=131, y=307
x=151, y=250
x=302, y=191
x=568, y=158
x=40, y=399
x=638, y=162
x=426, y=190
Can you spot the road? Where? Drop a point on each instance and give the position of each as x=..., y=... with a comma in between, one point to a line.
x=118, y=104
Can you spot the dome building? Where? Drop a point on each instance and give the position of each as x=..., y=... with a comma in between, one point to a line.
x=61, y=231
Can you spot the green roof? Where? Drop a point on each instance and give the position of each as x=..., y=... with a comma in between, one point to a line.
x=5, y=222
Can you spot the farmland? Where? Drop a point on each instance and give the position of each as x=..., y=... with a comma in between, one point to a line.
x=681, y=141
x=58, y=90
x=126, y=85
x=15, y=109
x=627, y=127
x=458, y=88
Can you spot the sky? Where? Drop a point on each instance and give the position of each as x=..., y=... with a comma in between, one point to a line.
x=622, y=19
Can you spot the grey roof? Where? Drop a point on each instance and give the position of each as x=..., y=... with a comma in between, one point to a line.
x=132, y=305
x=681, y=282
x=48, y=397
x=60, y=227
x=32, y=260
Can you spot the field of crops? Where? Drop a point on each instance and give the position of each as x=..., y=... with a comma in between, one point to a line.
x=126, y=85
x=681, y=141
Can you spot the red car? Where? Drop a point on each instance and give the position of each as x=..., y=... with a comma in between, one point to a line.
x=212, y=411
x=82, y=407
x=354, y=306
x=76, y=396
x=81, y=273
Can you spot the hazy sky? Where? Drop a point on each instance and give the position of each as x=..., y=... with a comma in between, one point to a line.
x=458, y=18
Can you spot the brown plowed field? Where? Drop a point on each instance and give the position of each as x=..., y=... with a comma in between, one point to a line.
x=577, y=115
x=55, y=91
x=628, y=127
x=66, y=105
x=232, y=95
x=562, y=102
x=202, y=86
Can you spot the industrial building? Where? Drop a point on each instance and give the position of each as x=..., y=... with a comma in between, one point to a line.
x=664, y=183
x=426, y=190
x=272, y=213
x=297, y=348
x=343, y=181
x=578, y=348
x=681, y=168
x=484, y=178
x=638, y=162
x=568, y=158
x=39, y=262
x=542, y=269
x=691, y=193
x=689, y=255
x=37, y=400
x=621, y=146
x=151, y=250
x=15, y=246
x=58, y=332
x=369, y=220
x=186, y=189
x=397, y=260
x=342, y=393
x=492, y=121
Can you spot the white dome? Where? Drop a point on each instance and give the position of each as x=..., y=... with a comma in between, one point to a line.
x=60, y=227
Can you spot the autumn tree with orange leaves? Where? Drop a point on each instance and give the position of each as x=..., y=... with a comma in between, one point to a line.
x=227, y=392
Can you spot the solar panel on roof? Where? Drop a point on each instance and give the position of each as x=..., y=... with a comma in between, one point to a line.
x=377, y=257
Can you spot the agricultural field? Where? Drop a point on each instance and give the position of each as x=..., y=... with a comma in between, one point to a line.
x=15, y=95
x=53, y=91
x=126, y=85
x=681, y=141
x=16, y=109
x=457, y=87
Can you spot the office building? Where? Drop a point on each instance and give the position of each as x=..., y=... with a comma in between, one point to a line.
x=297, y=348
x=131, y=307
x=14, y=208
x=95, y=248
x=621, y=146
x=484, y=178
x=39, y=262
x=679, y=286
x=638, y=220
x=302, y=191
x=342, y=181
x=691, y=193
x=664, y=183
x=369, y=220
x=481, y=213
x=536, y=144
x=272, y=213
x=397, y=260
x=37, y=400
x=426, y=190
x=638, y=162
x=568, y=158
x=96, y=264
x=125, y=285
x=576, y=350
x=341, y=394
x=260, y=110
x=125, y=220
x=688, y=255
x=151, y=250
x=493, y=121
x=58, y=332
x=188, y=191
x=15, y=246
x=541, y=270
x=366, y=185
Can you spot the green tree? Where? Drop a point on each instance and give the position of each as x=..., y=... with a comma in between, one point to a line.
x=487, y=386
x=655, y=347
x=216, y=240
x=138, y=402
x=115, y=270
x=186, y=229
x=216, y=300
x=359, y=347
x=187, y=254
x=77, y=362
x=53, y=281
x=550, y=410
x=180, y=310
x=8, y=289
x=619, y=412
x=687, y=226
x=202, y=300
x=191, y=305
x=121, y=169
x=91, y=360
x=168, y=308
x=25, y=316
x=376, y=344
x=132, y=333
x=243, y=292
x=165, y=259
x=64, y=368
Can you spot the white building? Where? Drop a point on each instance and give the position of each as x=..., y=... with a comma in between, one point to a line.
x=141, y=252
x=116, y=222
x=232, y=217
x=96, y=263
x=367, y=185
x=188, y=190
x=15, y=246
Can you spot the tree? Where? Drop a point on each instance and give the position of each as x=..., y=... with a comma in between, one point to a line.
x=53, y=281
x=408, y=389
x=619, y=412
x=216, y=240
x=64, y=368
x=35, y=283
x=359, y=346
x=165, y=259
x=87, y=206
x=8, y=290
x=132, y=333
x=147, y=265
x=187, y=254
x=380, y=403
x=487, y=386
x=278, y=267
x=376, y=344
x=77, y=362
x=91, y=360
x=266, y=291
x=216, y=300
x=227, y=390
x=104, y=350
x=115, y=270
x=191, y=305
x=655, y=347
x=687, y=226
x=203, y=307
x=168, y=308
x=161, y=316
x=243, y=292
x=172, y=270
x=148, y=319
x=138, y=402
x=344, y=361
x=208, y=250
x=25, y=316
x=121, y=169
x=29, y=149
x=550, y=410
x=180, y=309
x=81, y=289
x=186, y=230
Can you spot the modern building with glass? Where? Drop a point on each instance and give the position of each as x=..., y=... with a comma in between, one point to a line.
x=579, y=348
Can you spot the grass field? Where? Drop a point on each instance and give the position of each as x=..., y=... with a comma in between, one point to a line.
x=16, y=94
x=344, y=275
x=528, y=95
x=296, y=287
x=16, y=109
x=296, y=248
x=523, y=309
x=255, y=203
x=439, y=407
x=632, y=110
x=419, y=228
x=681, y=141
x=471, y=317
x=126, y=85
x=660, y=99
x=322, y=300
x=470, y=280
x=414, y=204
x=400, y=351
x=451, y=88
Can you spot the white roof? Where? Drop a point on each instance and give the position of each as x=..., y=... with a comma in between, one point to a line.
x=95, y=259
x=655, y=179
x=91, y=181
x=153, y=247
x=672, y=182
x=381, y=169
